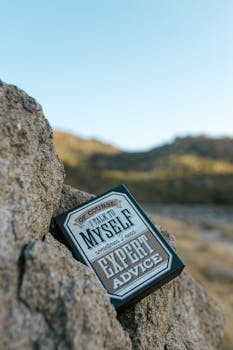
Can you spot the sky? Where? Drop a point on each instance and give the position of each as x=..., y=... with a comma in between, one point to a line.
x=135, y=73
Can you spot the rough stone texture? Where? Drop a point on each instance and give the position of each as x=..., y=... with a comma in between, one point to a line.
x=70, y=198
x=200, y=315
x=31, y=178
x=179, y=316
x=31, y=174
x=75, y=309
x=48, y=300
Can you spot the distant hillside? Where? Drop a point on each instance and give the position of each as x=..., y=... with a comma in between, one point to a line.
x=190, y=169
x=74, y=150
x=200, y=147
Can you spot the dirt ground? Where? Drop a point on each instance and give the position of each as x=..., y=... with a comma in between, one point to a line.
x=204, y=236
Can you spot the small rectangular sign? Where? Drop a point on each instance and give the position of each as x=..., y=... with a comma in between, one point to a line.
x=115, y=238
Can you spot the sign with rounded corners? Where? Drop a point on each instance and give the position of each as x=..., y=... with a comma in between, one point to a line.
x=114, y=237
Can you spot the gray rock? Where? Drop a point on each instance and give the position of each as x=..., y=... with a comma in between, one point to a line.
x=31, y=173
x=70, y=198
x=197, y=321
x=76, y=310
x=48, y=300
x=31, y=180
x=179, y=316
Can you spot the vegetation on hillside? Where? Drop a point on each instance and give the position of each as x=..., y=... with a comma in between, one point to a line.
x=191, y=169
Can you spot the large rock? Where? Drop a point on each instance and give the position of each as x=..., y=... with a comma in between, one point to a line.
x=31, y=180
x=48, y=300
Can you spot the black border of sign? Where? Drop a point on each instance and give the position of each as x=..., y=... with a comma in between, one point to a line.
x=176, y=265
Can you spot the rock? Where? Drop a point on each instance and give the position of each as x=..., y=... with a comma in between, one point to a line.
x=48, y=300
x=66, y=293
x=179, y=316
x=70, y=198
x=197, y=321
x=31, y=180
x=31, y=173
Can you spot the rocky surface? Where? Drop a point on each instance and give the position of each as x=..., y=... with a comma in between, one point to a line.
x=179, y=316
x=48, y=300
x=31, y=180
x=75, y=310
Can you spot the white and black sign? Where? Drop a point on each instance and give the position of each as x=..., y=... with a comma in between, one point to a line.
x=114, y=237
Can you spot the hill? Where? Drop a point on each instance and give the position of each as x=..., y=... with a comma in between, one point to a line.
x=189, y=169
x=75, y=150
x=201, y=147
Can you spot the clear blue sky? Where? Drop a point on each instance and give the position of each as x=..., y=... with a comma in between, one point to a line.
x=135, y=73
